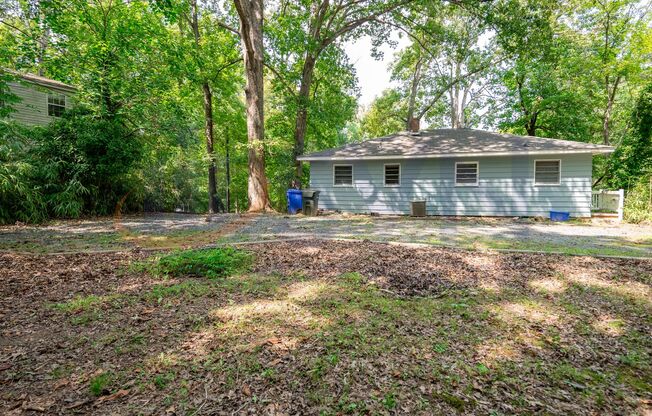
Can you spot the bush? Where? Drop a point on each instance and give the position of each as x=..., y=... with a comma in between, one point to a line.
x=86, y=163
x=637, y=202
x=212, y=263
x=20, y=196
x=78, y=165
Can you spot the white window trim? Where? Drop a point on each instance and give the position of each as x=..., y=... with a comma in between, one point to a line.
x=534, y=178
x=400, y=173
x=57, y=95
x=477, y=175
x=352, y=176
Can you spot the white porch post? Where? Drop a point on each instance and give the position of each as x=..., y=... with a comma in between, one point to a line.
x=621, y=203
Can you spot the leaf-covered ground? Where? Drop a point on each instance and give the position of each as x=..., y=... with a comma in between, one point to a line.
x=328, y=328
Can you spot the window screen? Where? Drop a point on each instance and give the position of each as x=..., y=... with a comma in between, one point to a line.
x=466, y=173
x=392, y=175
x=342, y=175
x=547, y=172
x=56, y=105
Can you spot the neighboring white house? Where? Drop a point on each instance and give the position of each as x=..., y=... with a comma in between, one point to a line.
x=457, y=172
x=40, y=99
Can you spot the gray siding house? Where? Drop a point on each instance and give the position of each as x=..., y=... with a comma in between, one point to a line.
x=457, y=172
x=40, y=100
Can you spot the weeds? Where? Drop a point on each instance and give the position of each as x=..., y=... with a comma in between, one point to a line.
x=100, y=383
x=211, y=263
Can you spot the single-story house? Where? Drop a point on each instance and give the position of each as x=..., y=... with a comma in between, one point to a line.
x=40, y=100
x=457, y=172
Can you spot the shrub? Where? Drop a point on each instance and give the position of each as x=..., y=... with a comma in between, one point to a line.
x=20, y=196
x=78, y=165
x=86, y=163
x=212, y=263
x=637, y=202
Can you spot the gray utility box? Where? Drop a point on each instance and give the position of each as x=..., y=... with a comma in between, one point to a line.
x=310, y=202
x=418, y=208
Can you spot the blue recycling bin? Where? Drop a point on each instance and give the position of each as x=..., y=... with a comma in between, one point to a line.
x=294, y=200
x=559, y=216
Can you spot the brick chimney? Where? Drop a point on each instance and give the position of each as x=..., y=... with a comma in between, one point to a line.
x=414, y=125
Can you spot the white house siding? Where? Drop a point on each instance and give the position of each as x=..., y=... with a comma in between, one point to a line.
x=506, y=187
x=32, y=109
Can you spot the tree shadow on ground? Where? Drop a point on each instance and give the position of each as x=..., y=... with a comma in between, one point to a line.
x=325, y=327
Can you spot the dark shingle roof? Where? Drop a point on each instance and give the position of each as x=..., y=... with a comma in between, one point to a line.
x=453, y=143
x=43, y=81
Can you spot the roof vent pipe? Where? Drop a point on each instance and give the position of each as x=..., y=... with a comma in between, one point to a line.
x=414, y=126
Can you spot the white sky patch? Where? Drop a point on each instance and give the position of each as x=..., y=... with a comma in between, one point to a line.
x=373, y=75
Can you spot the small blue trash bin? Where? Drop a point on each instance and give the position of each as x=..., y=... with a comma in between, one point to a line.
x=294, y=200
x=559, y=216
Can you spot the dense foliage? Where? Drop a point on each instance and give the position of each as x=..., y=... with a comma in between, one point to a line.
x=161, y=120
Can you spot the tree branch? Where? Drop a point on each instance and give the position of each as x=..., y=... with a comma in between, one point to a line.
x=354, y=24
x=14, y=27
x=229, y=28
x=288, y=86
x=450, y=84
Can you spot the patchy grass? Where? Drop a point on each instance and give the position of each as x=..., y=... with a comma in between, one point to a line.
x=624, y=248
x=188, y=289
x=88, y=303
x=99, y=384
x=211, y=263
x=325, y=341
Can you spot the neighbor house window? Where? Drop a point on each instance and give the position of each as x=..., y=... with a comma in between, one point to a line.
x=56, y=105
x=547, y=172
x=466, y=173
x=392, y=174
x=343, y=175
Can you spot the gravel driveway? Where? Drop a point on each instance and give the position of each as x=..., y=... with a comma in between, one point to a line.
x=178, y=230
x=493, y=233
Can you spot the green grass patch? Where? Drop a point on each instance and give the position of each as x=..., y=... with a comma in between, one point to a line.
x=188, y=289
x=579, y=247
x=99, y=385
x=211, y=263
x=162, y=380
x=86, y=303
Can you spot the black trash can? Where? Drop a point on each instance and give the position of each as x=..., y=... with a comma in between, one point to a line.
x=310, y=202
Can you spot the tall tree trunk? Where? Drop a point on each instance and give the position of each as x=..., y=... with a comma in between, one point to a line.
x=302, y=113
x=319, y=12
x=531, y=124
x=214, y=202
x=606, y=116
x=455, y=97
x=463, y=104
x=43, y=43
x=414, y=88
x=251, y=33
x=228, y=172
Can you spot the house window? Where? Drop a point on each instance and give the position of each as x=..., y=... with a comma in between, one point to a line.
x=342, y=175
x=392, y=174
x=466, y=174
x=56, y=105
x=547, y=172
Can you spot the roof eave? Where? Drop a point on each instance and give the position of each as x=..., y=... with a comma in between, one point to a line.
x=595, y=151
x=60, y=87
x=42, y=81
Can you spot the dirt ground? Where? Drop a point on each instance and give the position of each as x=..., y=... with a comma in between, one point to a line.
x=324, y=327
x=183, y=230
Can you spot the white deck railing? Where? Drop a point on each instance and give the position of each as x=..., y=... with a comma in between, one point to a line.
x=609, y=201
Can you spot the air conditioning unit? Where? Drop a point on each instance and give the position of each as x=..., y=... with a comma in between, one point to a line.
x=418, y=208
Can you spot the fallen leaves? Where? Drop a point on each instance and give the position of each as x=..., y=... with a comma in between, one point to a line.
x=408, y=271
x=118, y=394
x=248, y=350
